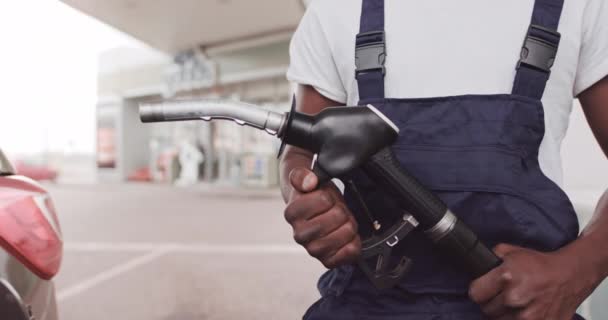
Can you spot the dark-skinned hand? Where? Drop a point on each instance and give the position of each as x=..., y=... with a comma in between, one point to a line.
x=531, y=285
x=321, y=221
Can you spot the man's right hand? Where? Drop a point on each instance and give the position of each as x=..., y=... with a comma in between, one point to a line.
x=321, y=221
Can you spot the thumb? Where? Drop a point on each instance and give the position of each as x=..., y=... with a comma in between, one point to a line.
x=303, y=179
x=504, y=249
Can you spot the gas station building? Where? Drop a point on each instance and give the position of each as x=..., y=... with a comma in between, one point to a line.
x=219, y=49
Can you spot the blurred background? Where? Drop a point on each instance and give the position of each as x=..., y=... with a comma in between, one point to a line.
x=180, y=220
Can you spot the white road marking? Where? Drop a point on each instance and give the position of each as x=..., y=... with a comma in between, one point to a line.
x=183, y=248
x=154, y=251
x=109, y=274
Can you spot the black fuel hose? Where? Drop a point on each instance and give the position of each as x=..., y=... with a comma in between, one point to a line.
x=438, y=222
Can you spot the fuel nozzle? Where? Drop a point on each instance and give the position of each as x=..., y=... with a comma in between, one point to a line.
x=342, y=137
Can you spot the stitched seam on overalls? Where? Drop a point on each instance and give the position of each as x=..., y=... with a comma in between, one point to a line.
x=428, y=100
x=530, y=126
x=501, y=190
x=470, y=148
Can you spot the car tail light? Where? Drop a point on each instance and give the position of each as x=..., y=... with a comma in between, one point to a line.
x=29, y=229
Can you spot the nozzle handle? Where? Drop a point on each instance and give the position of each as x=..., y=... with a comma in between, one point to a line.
x=439, y=224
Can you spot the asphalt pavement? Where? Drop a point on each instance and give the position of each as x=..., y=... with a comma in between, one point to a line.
x=155, y=252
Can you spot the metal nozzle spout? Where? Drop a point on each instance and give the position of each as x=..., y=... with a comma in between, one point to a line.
x=241, y=113
x=151, y=113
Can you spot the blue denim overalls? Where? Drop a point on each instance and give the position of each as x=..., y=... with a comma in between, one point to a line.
x=479, y=153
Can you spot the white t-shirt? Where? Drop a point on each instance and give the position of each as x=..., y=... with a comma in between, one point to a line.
x=447, y=48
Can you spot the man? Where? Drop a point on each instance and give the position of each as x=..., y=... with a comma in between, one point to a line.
x=481, y=153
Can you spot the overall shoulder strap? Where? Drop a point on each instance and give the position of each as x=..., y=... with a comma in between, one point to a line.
x=370, y=51
x=539, y=49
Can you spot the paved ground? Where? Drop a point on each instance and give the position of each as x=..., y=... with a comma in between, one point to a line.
x=154, y=252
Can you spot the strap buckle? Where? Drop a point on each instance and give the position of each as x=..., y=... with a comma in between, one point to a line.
x=539, y=53
x=370, y=52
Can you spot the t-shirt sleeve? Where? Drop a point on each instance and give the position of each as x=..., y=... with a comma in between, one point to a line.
x=593, y=57
x=311, y=59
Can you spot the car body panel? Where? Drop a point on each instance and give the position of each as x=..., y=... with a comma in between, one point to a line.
x=23, y=294
x=37, y=295
x=36, y=172
x=11, y=305
x=29, y=228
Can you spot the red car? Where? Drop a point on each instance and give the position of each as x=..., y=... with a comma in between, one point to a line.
x=31, y=248
x=36, y=172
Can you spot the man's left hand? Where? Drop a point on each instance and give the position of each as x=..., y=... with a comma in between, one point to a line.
x=531, y=285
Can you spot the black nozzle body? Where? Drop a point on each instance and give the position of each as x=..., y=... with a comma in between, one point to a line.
x=342, y=137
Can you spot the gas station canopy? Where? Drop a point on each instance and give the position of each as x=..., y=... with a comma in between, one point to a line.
x=175, y=25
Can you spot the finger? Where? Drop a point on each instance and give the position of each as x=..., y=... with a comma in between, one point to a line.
x=496, y=307
x=489, y=286
x=352, y=219
x=303, y=179
x=564, y=312
x=535, y=312
x=519, y=296
x=308, y=206
x=557, y=311
x=504, y=249
x=323, y=224
x=347, y=254
x=509, y=316
x=327, y=246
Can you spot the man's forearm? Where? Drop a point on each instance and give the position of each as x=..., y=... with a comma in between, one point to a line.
x=593, y=242
x=591, y=248
x=596, y=234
